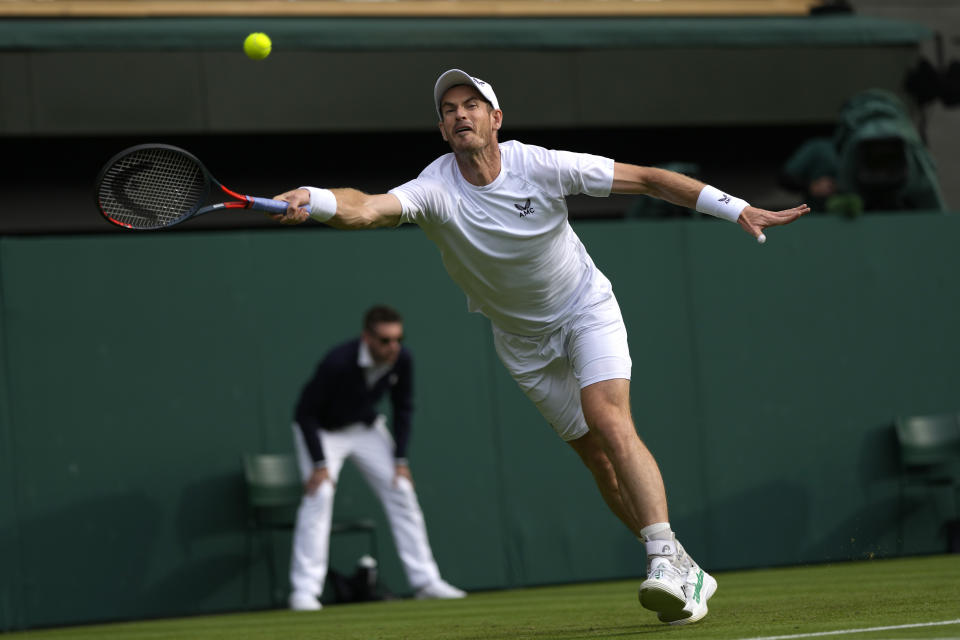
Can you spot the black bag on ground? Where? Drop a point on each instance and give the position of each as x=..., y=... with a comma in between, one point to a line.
x=363, y=586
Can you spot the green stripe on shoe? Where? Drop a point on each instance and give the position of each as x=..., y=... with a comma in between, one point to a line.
x=696, y=592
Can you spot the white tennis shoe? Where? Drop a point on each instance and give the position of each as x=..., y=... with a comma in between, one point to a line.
x=663, y=591
x=698, y=587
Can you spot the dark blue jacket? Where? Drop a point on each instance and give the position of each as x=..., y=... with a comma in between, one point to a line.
x=337, y=395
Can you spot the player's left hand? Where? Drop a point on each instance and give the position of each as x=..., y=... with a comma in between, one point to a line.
x=402, y=471
x=754, y=220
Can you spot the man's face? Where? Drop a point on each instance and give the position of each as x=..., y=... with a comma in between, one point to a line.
x=468, y=122
x=383, y=340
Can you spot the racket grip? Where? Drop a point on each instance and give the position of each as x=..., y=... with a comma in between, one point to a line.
x=269, y=205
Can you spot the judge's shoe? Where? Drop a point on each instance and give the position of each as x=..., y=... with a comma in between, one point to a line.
x=302, y=601
x=439, y=590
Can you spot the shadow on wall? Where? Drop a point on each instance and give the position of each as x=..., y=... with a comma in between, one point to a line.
x=891, y=522
x=63, y=552
x=210, y=509
x=777, y=526
x=67, y=577
x=772, y=523
x=216, y=549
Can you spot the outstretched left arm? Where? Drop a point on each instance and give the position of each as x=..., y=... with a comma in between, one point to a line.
x=686, y=191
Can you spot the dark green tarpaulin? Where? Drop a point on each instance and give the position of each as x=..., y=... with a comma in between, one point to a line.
x=358, y=34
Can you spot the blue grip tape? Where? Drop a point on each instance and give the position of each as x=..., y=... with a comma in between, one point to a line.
x=269, y=205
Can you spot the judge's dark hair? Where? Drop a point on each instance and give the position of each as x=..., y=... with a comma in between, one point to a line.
x=380, y=313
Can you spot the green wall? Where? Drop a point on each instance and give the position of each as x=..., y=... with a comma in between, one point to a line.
x=138, y=368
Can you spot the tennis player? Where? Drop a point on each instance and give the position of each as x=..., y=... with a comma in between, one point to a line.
x=498, y=214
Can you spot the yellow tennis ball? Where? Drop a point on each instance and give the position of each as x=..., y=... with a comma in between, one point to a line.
x=257, y=46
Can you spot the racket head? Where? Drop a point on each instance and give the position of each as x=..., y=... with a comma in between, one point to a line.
x=151, y=186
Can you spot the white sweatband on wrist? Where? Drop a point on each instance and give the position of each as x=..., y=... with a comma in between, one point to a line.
x=323, y=204
x=716, y=203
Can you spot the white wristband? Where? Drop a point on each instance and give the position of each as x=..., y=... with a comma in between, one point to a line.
x=323, y=204
x=714, y=202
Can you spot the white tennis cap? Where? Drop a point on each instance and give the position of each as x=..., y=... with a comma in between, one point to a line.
x=452, y=78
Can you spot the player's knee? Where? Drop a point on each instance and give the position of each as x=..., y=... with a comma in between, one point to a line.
x=618, y=438
x=610, y=422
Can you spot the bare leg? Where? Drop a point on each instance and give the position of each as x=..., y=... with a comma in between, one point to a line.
x=595, y=458
x=636, y=493
x=630, y=482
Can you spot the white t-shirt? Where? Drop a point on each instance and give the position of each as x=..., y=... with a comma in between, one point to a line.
x=508, y=244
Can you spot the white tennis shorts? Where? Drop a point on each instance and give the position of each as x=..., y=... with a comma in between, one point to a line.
x=589, y=347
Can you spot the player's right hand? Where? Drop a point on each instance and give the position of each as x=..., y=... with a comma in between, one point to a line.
x=297, y=212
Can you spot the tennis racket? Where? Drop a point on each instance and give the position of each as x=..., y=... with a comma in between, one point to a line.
x=154, y=186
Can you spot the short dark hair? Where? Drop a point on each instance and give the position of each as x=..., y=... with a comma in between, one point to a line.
x=380, y=313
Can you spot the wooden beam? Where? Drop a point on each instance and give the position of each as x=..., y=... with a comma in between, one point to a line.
x=403, y=8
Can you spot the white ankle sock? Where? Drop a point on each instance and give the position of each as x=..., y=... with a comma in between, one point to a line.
x=657, y=531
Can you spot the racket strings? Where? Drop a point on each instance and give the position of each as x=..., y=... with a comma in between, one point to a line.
x=152, y=188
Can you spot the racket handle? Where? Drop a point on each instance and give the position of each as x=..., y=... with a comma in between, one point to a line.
x=269, y=205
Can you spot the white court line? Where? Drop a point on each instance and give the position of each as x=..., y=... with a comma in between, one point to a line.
x=868, y=629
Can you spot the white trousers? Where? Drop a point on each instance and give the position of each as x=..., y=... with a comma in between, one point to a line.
x=371, y=449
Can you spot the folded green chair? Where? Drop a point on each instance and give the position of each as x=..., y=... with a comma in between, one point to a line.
x=930, y=463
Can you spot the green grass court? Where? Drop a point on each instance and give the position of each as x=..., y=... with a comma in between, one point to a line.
x=832, y=601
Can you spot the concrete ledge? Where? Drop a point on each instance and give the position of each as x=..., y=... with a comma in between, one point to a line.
x=403, y=8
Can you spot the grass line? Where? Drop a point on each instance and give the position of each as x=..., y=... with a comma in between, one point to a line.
x=867, y=630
